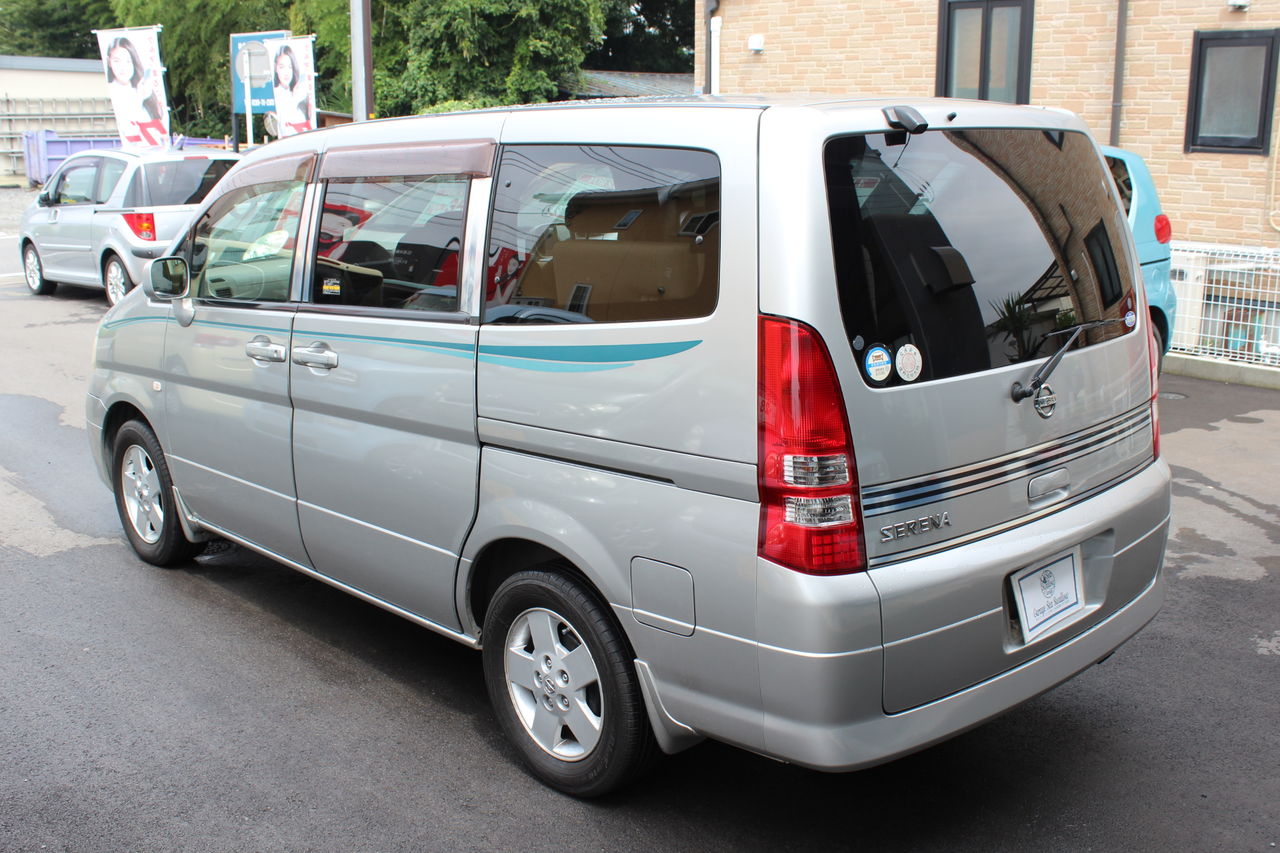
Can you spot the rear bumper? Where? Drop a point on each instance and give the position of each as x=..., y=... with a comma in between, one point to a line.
x=825, y=708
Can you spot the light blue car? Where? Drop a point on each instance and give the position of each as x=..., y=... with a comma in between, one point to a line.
x=1151, y=233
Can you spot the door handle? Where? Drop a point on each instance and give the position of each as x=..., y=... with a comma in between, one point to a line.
x=262, y=349
x=317, y=355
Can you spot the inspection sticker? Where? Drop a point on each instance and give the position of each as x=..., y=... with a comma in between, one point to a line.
x=878, y=363
x=909, y=362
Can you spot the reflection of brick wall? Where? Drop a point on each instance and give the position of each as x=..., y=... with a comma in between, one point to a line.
x=837, y=47
x=1066, y=203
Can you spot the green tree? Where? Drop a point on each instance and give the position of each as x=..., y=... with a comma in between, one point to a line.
x=464, y=53
x=59, y=28
x=646, y=35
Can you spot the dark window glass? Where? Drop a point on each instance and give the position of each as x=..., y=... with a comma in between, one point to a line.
x=1104, y=264
x=975, y=247
x=182, y=181
x=1232, y=91
x=242, y=248
x=603, y=234
x=108, y=177
x=985, y=50
x=391, y=243
x=1124, y=182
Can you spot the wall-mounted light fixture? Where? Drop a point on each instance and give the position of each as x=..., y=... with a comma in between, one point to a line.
x=755, y=43
x=1238, y=5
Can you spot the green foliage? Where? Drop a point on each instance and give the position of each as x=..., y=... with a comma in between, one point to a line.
x=487, y=51
x=60, y=28
x=646, y=35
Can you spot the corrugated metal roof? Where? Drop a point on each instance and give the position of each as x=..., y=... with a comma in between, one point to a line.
x=50, y=63
x=628, y=84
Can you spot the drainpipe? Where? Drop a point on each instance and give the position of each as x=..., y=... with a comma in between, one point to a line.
x=1117, y=85
x=713, y=48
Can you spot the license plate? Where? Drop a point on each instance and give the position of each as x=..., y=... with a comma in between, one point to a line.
x=1049, y=596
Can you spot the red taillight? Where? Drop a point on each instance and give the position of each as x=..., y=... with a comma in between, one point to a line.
x=810, y=519
x=142, y=224
x=1164, y=229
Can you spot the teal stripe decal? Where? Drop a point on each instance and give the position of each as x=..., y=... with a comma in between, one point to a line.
x=599, y=354
x=543, y=366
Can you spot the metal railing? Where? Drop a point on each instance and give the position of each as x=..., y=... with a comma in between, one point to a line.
x=67, y=116
x=1228, y=302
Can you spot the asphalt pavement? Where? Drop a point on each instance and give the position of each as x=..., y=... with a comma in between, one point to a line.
x=236, y=705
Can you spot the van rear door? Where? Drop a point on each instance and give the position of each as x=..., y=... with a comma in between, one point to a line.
x=964, y=261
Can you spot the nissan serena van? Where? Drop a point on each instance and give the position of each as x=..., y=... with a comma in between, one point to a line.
x=825, y=429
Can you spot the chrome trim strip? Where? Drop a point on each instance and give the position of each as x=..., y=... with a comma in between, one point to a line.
x=225, y=475
x=940, y=484
x=1006, y=475
x=939, y=630
x=902, y=556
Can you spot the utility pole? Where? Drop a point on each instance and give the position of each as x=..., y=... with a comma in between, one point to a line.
x=361, y=61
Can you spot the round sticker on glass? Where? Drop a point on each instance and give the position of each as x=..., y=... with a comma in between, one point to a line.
x=878, y=363
x=1130, y=319
x=909, y=362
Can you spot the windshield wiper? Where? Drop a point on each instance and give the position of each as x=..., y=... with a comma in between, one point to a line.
x=1020, y=392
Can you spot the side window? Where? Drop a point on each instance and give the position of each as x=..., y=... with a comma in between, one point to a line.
x=1124, y=182
x=604, y=234
x=108, y=177
x=390, y=243
x=242, y=248
x=77, y=184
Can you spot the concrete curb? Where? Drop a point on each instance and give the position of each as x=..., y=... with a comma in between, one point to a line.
x=1219, y=370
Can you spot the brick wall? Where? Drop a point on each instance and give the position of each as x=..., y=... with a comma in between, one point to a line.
x=829, y=47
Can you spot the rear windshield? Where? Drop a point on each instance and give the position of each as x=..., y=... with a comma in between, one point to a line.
x=181, y=181
x=963, y=251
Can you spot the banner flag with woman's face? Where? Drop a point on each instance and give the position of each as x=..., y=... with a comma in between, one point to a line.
x=135, y=80
x=294, y=82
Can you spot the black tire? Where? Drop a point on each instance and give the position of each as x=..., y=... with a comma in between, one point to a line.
x=33, y=271
x=115, y=279
x=144, y=498
x=598, y=737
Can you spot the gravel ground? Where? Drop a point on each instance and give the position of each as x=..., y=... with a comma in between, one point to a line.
x=13, y=200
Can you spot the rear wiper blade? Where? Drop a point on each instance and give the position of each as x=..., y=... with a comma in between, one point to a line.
x=1020, y=392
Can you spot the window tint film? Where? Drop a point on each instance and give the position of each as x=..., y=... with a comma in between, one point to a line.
x=390, y=243
x=603, y=234
x=182, y=181
x=963, y=251
x=242, y=248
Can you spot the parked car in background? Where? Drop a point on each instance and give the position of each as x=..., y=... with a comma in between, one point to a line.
x=104, y=214
x=1152, y=232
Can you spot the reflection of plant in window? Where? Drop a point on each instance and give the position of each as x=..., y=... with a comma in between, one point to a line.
x=1016, y=320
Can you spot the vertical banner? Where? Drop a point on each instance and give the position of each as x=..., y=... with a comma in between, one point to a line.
x=135, y=81
x=294, y=81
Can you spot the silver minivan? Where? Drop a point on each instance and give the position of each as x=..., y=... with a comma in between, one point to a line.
x=825, y=429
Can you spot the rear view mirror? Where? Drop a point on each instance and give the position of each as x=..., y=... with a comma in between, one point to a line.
x=166, y=278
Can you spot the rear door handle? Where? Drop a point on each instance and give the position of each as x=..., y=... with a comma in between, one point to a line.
x=262, y=349
x=317, y=355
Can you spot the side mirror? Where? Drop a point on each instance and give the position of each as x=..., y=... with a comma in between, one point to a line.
x=44, y=200
x=166, y=278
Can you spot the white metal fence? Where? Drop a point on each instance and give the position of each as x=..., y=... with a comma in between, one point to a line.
x=1228, y=302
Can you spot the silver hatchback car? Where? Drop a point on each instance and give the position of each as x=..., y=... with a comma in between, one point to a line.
x=825, y=429
x=103, y=214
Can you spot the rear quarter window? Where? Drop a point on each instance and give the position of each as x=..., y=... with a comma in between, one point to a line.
x=604, y=234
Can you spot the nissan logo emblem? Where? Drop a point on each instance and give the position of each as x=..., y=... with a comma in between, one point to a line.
x=1046, y=401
